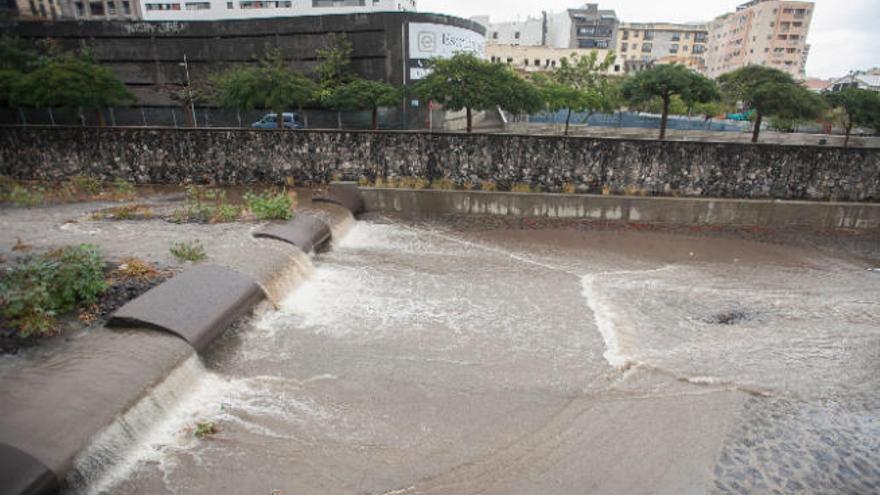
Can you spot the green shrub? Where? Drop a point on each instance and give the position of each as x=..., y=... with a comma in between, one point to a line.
x=269, y=205
x=207, y=205
x=123, y=187
x=443, y=184
x=27, y=196
x=85, y=185
x=522, y=187
x=205, y=429
x=188, y=251
x=36, y=289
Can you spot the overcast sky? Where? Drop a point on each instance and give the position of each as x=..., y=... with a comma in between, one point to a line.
x=844, y=33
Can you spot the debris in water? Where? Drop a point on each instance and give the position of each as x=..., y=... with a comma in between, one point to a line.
x=728, y=318
x=205, y=429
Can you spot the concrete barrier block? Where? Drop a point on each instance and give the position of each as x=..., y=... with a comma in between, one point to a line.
x=196, y=305
x=344, y=194
x=305, y=232
x=22, y=474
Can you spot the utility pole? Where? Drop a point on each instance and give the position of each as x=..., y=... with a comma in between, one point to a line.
x=189, y=94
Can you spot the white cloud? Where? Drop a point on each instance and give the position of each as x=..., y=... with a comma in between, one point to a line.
x=842, y=34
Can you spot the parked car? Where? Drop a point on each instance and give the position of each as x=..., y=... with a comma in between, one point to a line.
x=270, y=121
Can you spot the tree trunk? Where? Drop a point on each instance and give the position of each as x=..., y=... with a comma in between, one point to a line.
x=339, y=120
x=375, y=118
x=100, y=115
x=305, y=119
x=757, y=132
x=470, y=120
x=279, y=120
x=848, y=133
x=567, y=120
x=665, y=118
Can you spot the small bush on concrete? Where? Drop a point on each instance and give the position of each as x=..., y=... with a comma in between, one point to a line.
x=36, y=289
x=206, y=205
x=86, y=185
x=270, y=206
x=28, y=196
x=521, y=187
x=569, y=188
x=192, y=252
x=488, y=186
x=443, y=184
x=123, y=189
x=127, y=212
x=134, y=268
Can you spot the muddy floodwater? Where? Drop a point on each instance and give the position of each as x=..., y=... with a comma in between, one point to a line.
x=420, y=359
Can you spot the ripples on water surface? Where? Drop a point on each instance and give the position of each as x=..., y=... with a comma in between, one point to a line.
x=364, y=367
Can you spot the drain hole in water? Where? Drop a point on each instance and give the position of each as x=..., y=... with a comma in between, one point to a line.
x=734, y=317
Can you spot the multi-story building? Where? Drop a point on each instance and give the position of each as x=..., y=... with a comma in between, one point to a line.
x=211, y=10
x=641, y=45
x=531, y=32
x=101, y=9
x=37, y=10
x=541, y=58
x=584, y=27
x=772, y=33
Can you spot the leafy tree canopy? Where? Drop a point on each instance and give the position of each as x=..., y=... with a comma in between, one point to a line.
x=770, y=92
x=361, y=94
x=467, y=82
x=858, y=107
x=72, y=81
x=665, y=82
x=334, y=62
x=272, y=85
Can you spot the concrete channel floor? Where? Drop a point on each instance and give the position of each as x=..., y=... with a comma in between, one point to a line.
x=425, y=358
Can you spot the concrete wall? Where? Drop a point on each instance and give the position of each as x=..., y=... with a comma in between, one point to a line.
x=678, y=211
x=720, y=170
x=147, y=56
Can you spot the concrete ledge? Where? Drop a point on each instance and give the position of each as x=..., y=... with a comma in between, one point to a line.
x=196, y=305
x=20, y=473
x=628, y=209
x=305, y=232
x=345, y=194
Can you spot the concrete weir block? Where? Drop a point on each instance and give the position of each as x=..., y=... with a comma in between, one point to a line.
x=196, y=305
x=22, y=474
x=305, y=232
x=345, y=194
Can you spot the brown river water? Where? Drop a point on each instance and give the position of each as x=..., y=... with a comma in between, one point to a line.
x=429, y=360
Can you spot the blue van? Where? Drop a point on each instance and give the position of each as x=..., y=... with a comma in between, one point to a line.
x=270, y=121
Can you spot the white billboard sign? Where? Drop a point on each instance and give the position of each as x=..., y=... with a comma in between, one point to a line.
x=428, y=40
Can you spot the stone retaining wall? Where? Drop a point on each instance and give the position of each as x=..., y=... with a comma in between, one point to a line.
x=234, y=156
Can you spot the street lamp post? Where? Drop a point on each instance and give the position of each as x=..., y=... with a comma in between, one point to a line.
x=189, y=95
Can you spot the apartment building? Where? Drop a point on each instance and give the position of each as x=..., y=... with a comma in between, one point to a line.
x=35, y=10
x=101, y=10
x=530, y=32
x=641, y=45
x=772, y=33
x=529, y=59
x=584, y=27
x=211, y=10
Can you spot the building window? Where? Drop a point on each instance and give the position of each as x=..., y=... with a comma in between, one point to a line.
x=80, y=9
x=649, y=35
x=230, y=5
x=495, y=35
x=673, y=49
x=198, y=5
x=647, y=47
x=96, y=8
x=516, y=35
x=126, y=7
x=537, y=62
x=624, y=47
x=338, y=3
x=163, y=6
x=111, y=8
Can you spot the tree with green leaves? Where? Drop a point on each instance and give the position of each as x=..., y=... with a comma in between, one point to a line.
x=770, y=92
x=361, y=94
x=665, y=82
x=465, y=82
x=580, y=84
x=272, y=85
x=69, y=80
x=855, y=107
x=334, y=62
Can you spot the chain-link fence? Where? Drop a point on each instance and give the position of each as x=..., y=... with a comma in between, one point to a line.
x=410, y=118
